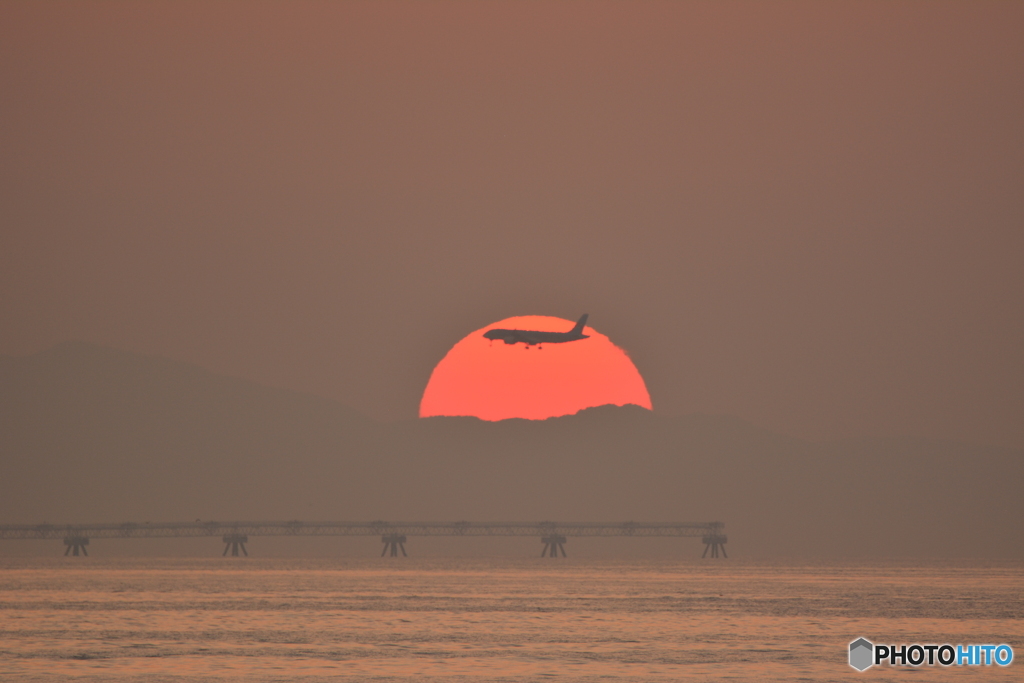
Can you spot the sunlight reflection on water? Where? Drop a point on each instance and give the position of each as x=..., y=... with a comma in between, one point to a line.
x=446, y=620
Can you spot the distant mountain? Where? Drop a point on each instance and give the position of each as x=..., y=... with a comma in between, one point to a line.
x=92, y=434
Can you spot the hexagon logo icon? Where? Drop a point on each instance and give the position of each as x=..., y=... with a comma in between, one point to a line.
x=861, y=654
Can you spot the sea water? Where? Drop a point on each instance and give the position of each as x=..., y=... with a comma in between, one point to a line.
x=415, y=619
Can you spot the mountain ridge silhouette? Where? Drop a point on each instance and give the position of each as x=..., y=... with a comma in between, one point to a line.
x=91, y=434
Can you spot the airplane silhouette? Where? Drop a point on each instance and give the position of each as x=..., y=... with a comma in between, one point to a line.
x=531, y=337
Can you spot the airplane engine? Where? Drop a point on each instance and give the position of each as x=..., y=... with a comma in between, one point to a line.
x=510, y=340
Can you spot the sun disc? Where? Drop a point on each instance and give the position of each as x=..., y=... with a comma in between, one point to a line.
x=492, y=380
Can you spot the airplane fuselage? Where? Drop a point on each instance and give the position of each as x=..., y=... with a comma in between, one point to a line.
x=533, y=337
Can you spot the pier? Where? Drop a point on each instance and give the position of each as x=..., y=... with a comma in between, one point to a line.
x=394, y=535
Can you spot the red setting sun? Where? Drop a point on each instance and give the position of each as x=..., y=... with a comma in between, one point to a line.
x=493, y=380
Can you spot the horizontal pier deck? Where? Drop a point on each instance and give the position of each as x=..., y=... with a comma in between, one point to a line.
x=236, y=534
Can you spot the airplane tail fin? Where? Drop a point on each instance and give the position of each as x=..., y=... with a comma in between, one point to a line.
x=579, y=325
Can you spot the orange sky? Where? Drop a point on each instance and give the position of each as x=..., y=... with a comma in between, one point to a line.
x=804, y=214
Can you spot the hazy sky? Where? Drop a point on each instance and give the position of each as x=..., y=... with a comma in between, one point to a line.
x=808, y=215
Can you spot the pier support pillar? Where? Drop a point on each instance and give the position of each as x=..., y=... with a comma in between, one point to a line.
x=714, y=543
x=552, y=544
x=394, y=543
x=76, y=543
x=233, y=542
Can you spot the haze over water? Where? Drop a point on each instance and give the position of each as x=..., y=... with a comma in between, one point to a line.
x=489, y=619
x=238, y=238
